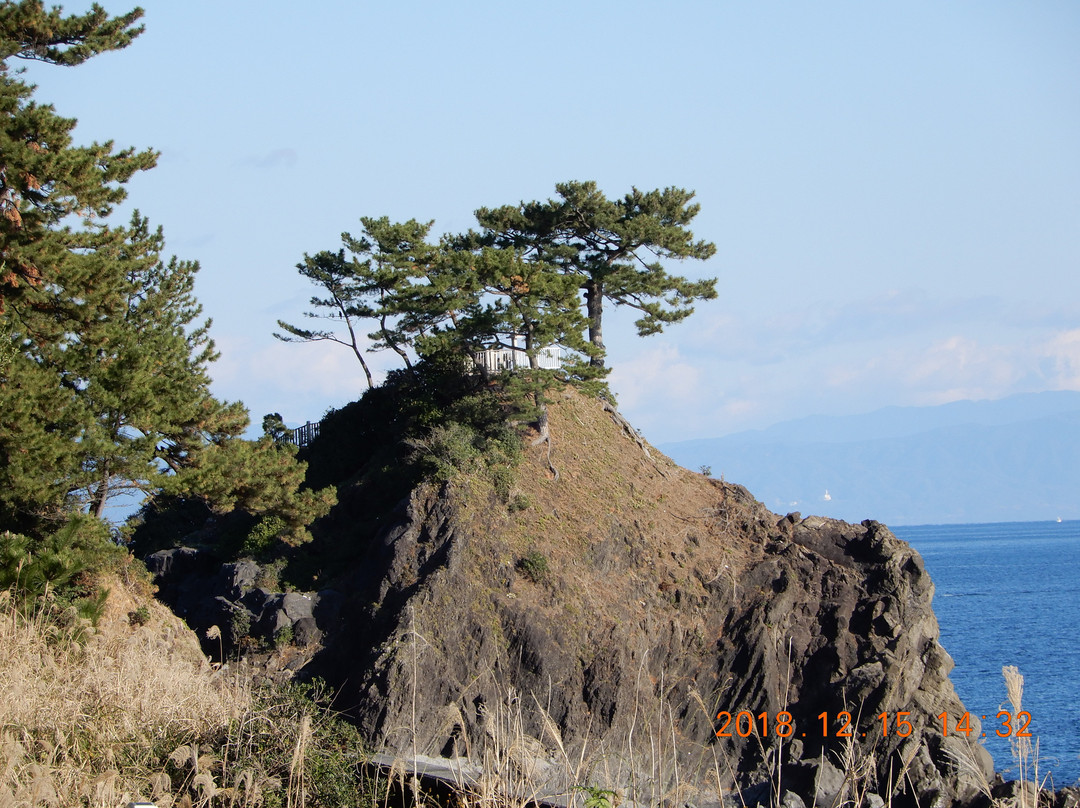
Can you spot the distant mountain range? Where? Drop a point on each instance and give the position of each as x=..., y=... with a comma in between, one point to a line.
x=1014, y=459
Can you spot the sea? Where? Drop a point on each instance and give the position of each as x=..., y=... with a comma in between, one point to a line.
x=1008, y=593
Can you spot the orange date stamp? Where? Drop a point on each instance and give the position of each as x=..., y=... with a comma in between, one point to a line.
x=744, y=723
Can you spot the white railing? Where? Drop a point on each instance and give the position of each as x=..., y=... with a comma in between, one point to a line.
x=495, y=360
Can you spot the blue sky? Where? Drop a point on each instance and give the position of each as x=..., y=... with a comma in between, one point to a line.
x=894, y=190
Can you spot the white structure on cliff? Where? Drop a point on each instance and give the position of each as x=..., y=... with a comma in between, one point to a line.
x=495, y=360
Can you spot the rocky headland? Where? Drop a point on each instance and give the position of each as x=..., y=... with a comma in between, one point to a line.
x=631, y=626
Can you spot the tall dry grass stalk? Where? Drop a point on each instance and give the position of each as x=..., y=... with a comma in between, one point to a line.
x=1025, y=750
x=296, y=796
x=522, y=758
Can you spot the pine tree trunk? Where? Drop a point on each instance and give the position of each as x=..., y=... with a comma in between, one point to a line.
x=594, y=307
x=389, y=341
x=530, y=352
x=364, y=365
x=544, y=429
x=101, y=496
x=356, y=348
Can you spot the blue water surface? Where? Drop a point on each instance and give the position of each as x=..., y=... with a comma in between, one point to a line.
x=1009, y=594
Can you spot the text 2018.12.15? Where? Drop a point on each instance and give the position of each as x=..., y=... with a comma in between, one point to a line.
x=744, y=723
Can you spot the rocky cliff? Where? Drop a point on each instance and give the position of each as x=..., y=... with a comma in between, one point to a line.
x=636, y=626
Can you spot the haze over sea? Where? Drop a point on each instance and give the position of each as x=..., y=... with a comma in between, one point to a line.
x=1006, y=594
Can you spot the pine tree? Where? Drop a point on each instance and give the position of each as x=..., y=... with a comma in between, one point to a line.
x=138, y=370
x=379, y=282
x=395, y=255
x=260, y=477
x=104, y=385
x=121, y=400
x=539, y=305
x=343, y=305
x=613, y=248
x=44, y=178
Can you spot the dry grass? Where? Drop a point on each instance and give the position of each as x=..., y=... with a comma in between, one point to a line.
x=1025, y=749
x=75, y=716
x=687, y=530
x=101, y=717
x=516, y=769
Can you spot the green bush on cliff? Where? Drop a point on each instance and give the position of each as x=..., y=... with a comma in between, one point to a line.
x=431, y=421
x=534, y=566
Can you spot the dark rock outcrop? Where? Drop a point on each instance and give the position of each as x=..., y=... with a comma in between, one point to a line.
x=655, y=628
x=207, y=594
x=630, y=625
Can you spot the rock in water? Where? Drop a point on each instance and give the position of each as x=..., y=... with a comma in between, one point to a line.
x=639, y=627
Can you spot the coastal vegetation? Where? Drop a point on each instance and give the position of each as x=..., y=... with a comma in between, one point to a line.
x=586, y=625
x=104, y=391
x=539, y=272
x=533, y=279
x=127, y=709
x=104, y=382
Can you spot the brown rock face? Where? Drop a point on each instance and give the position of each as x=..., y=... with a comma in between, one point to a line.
x=606, y=631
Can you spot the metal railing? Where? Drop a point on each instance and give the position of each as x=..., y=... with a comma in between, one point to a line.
x=303, y=435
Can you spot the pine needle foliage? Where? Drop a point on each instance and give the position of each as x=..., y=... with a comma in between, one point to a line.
x=44, y=178
x=376, y=283
x=536, y=273
x=104, y=382
x=612, y=250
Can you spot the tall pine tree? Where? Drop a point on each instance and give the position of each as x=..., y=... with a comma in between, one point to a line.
x=103, y=361
x=44, y=178
x=613, y=248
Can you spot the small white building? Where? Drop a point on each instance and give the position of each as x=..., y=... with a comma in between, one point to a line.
x=496, y=360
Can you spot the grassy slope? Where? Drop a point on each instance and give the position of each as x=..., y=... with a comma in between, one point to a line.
x=682, y=524
x=90, y=720
x=132, y=710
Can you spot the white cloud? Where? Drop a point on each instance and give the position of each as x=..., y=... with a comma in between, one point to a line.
x=892, y=317
x=1061, y=353
x=659, y=386
x=659, y=368
x=675, y=393
x=299, y=380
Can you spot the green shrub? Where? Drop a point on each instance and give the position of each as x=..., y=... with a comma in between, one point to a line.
x=262, y=537
x=92, y=607
x=256, y=756
x=502, y=478
x=447, y=450
x=269, y=577
x=239, y=626
x=65, y=562
x=334, y=753
x=140, y=616
x=533, y=566
x=596, y=797
x=283, y=636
